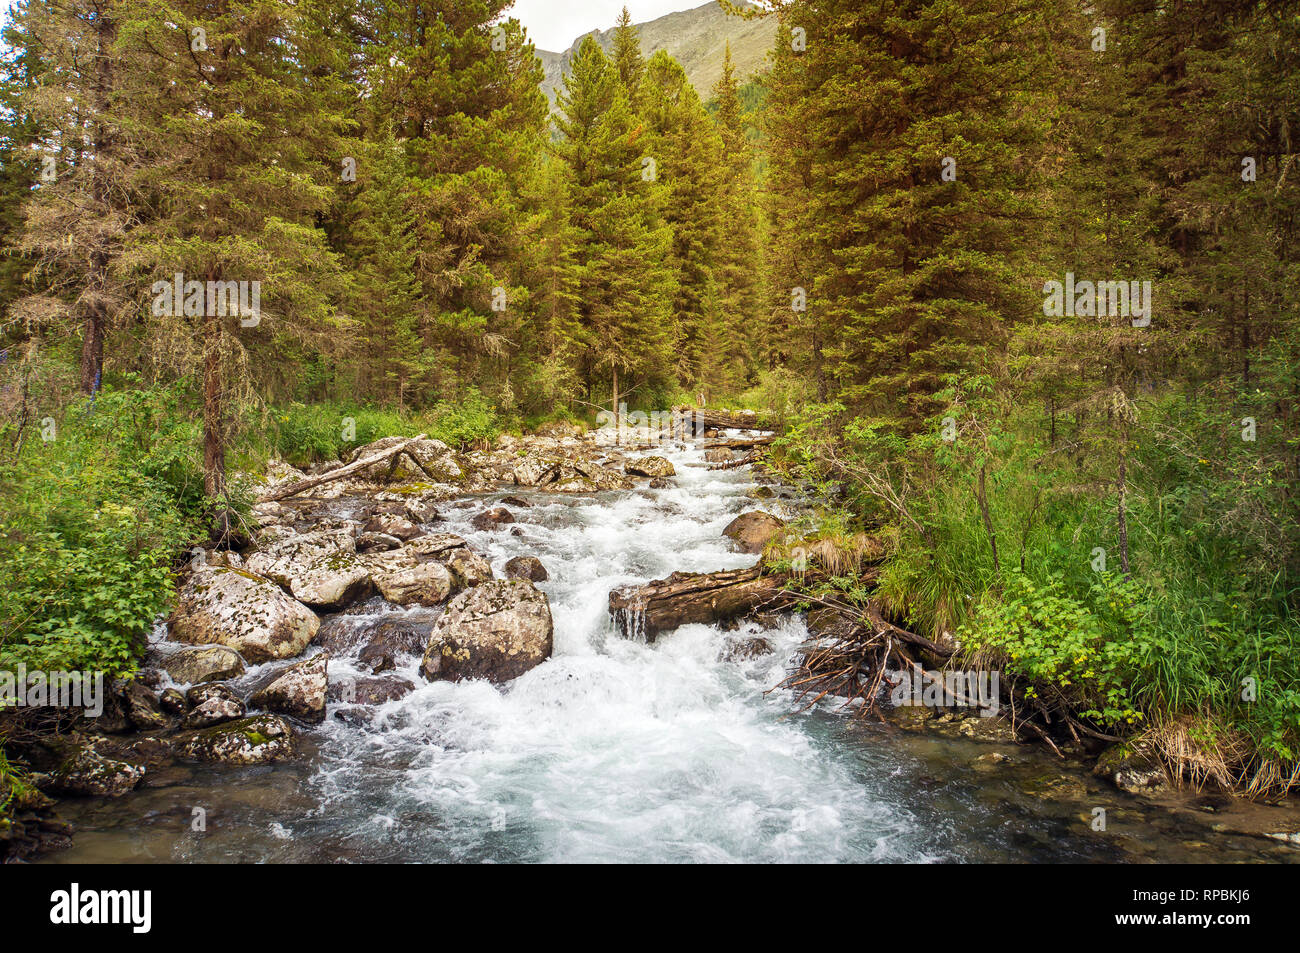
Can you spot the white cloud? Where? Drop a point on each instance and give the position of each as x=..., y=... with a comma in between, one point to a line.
x=554, y=24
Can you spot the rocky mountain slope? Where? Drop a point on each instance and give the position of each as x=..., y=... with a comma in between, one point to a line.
x=696, y=38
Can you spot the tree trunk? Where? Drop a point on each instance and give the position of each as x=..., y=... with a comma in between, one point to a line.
x=1123, y=512
x=214, y=442
x=92, y=341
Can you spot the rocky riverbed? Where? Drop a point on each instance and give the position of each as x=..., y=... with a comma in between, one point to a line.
x=416, y=662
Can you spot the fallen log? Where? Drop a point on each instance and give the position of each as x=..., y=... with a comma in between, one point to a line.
x=733, y=464
x=698, y=419
x=643, y=612
x=301, y=486
x=739, y=443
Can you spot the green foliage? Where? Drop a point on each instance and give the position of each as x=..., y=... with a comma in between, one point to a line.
x=90, y=522
x=469, y=422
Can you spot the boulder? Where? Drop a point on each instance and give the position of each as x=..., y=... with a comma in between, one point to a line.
x=594, y=476
x=426, y=584
x=370, y=691
x=298, y=690
x=211, y=705
x=142, y=707
x=244, y=612
x=753, y=530
x=650, y=467
x=261, y=739
x=535, y=471
x=377, y=543
x=392, y=641
x=172, y=702
x=319, y=569
x=1134, y=768
x=491, y=519
x=433, y=545
x=497, y=631
x=434, y=462
x=717, y=455
x=468, y=568
x=390, y=525
x=87, y=773
x=191, y=666
x=526, y=567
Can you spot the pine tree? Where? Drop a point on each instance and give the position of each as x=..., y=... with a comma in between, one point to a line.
x=387, y=302
x=687, y=154
x=627, y=57
x=739, y=261
x=77, y=218
x=618, y=275
x=236, y=193
x=460, y=90
x=911, y=187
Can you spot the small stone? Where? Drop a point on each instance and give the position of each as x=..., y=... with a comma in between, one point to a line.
x=491, y=519
x=526, y=567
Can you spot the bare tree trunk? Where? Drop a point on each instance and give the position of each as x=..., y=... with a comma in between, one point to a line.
x=982, y=496
x=1123, y=512
x=214, y=447
x=92, y=341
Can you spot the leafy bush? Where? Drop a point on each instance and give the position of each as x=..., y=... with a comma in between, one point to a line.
x=90, y=521
x=469, y=422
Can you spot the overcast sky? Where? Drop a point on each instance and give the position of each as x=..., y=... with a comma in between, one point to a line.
x=554, y=24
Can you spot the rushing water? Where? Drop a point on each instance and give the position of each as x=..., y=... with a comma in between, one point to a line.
x=616, y=750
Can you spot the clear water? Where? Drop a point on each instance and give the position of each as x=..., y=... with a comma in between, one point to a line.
x=616, y=750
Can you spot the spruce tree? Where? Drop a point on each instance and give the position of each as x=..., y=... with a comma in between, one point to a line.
x=618, y=273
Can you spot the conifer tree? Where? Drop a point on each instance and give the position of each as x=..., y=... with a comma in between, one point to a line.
x=686, y=151
x=627, y=57
x=234, y=128
x=739, y=261
x=619, y=274
x=77, y=218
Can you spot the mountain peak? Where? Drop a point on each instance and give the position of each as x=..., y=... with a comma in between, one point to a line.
x=695, y=38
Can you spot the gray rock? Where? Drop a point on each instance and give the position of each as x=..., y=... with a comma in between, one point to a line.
x=370, y=691
x=491, y=519
x=526, y=567
x=497, y=631
x=142, y=707
x=244, y=612
x=426, y=584
x=753, y=530
x=1134, y=768
x=259, y=740
x=192, y=666
x=298, y=690
x=650, y=467
x=468, y=568
x=87, y=773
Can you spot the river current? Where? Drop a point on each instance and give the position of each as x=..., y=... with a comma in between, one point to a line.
x=617, y=750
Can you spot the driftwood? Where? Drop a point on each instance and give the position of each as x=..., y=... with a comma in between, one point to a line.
x=685, y=597
x=740, y=443
x=734, y=464
x=703, y=419
x=301, y=486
